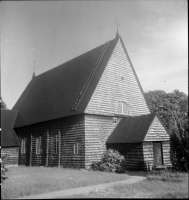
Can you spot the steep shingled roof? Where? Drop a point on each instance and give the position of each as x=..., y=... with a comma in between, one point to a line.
x=51, y=95
x=8, y=135
x=132, y=129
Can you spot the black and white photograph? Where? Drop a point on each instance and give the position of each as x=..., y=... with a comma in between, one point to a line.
x=94, y=99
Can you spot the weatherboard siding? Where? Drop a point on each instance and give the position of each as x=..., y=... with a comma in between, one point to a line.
x=30, y=157
x=156, y=132
x=112, y=88
x=166, y=153
x=69, y=131
x=148, y=153
x=39, y=130
x=11, y=155
x=72, y=131
x=97, y=130
x=24, y=132
x=53, y=129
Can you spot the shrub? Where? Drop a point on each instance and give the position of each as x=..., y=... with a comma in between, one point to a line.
x=179, y=148
x=167, y=176
x=3, y=169
x=112, y=161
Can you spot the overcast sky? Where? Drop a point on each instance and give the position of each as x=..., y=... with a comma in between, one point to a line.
x=155, y=34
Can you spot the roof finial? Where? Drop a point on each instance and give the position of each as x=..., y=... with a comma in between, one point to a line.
x=33, y=71
x=117, y=24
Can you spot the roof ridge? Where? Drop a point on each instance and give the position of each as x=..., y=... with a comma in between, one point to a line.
x=75, y=105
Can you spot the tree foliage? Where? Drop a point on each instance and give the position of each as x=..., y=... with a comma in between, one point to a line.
x=112, y=161
x=171, y=107
x=173, y=110
x=3, y=105
x=3, y=168
x=179, y=150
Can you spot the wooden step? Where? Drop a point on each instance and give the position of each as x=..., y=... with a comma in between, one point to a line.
x=161, y=167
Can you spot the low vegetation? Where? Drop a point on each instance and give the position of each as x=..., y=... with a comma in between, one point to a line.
x=23, y=181
x=112, y=161
x=179, y=151
x=3, y=169
x=160, y=185
x=167, y=176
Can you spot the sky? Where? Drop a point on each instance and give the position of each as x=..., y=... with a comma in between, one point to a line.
x=155, y=34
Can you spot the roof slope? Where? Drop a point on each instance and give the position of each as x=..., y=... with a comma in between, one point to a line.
x=131, y=130
x=8, y=136
x=51, y=95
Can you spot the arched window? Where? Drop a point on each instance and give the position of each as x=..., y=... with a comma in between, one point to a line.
x=23, y=146
x=123, y=108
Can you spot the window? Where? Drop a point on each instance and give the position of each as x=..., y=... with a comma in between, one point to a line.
x=123, y=108
x=55, y=144
x=114, y=120
x=23, y=146
x=38, y=145
x=77, y=147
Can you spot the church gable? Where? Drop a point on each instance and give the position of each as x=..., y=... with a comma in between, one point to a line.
x=118, y=91
x=156, y=132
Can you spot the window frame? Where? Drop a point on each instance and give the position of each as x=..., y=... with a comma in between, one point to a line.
x=39, y=145
x=114, y=120
x=124, y=110
x=77, y=148
x=55, y=144
x=23, y=146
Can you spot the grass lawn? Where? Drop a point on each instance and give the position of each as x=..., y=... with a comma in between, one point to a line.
x=167, y=185
x=23, y=181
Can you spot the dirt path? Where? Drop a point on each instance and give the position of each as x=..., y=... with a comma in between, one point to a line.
x=134, y=178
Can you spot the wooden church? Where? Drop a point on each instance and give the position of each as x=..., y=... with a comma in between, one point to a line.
x=69, y=115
